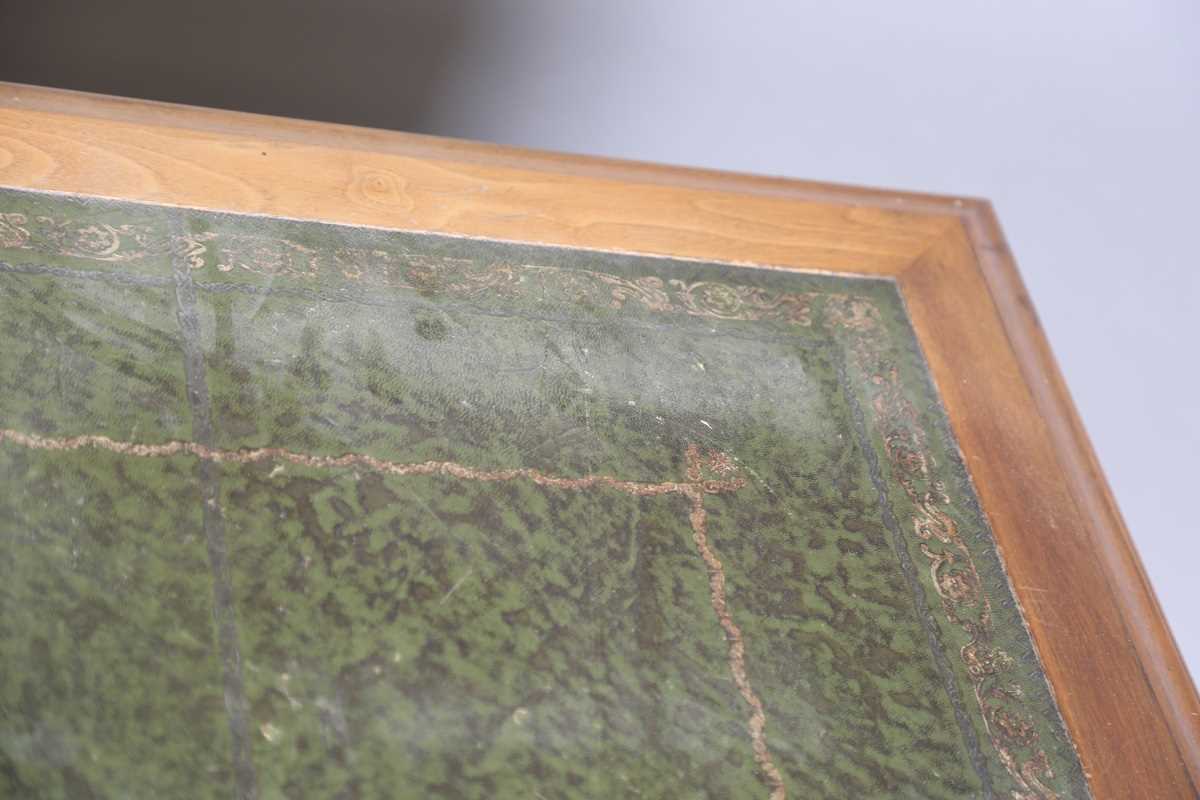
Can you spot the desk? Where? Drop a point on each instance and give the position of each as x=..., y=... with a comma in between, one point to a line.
x=340, y=462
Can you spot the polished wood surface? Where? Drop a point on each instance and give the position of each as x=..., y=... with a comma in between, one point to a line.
x=1122, y=687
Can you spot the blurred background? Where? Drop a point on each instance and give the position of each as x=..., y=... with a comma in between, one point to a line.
x=1080, y=121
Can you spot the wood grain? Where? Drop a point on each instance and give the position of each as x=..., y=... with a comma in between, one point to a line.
x=1063, y=572
x=1124, y=691
x=299, y=178
x=1104, y=526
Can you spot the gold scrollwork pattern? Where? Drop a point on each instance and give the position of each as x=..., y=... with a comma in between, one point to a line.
x=14, y=233
x=193, y=248
x=851, y=313
x=725, y=301
x=649, y=291
x=1009, y=728
x=98, y=241
x=278, y=257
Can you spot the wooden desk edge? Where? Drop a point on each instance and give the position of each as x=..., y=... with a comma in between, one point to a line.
x=1145, y=622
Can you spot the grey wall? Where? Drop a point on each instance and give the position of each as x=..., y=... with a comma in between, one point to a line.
x=1079, y=120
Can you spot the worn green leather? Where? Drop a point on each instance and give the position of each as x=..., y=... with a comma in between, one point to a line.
x=378, y=514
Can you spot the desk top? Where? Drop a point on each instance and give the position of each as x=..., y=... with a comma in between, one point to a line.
x=343, y=463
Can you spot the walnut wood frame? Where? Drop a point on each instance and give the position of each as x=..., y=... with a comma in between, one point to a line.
x=1123, y=689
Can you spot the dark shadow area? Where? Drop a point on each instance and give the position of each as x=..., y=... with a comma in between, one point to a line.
x=362, y=62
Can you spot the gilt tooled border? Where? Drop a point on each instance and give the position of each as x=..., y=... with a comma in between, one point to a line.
x=238, y=255
x=953, y=574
